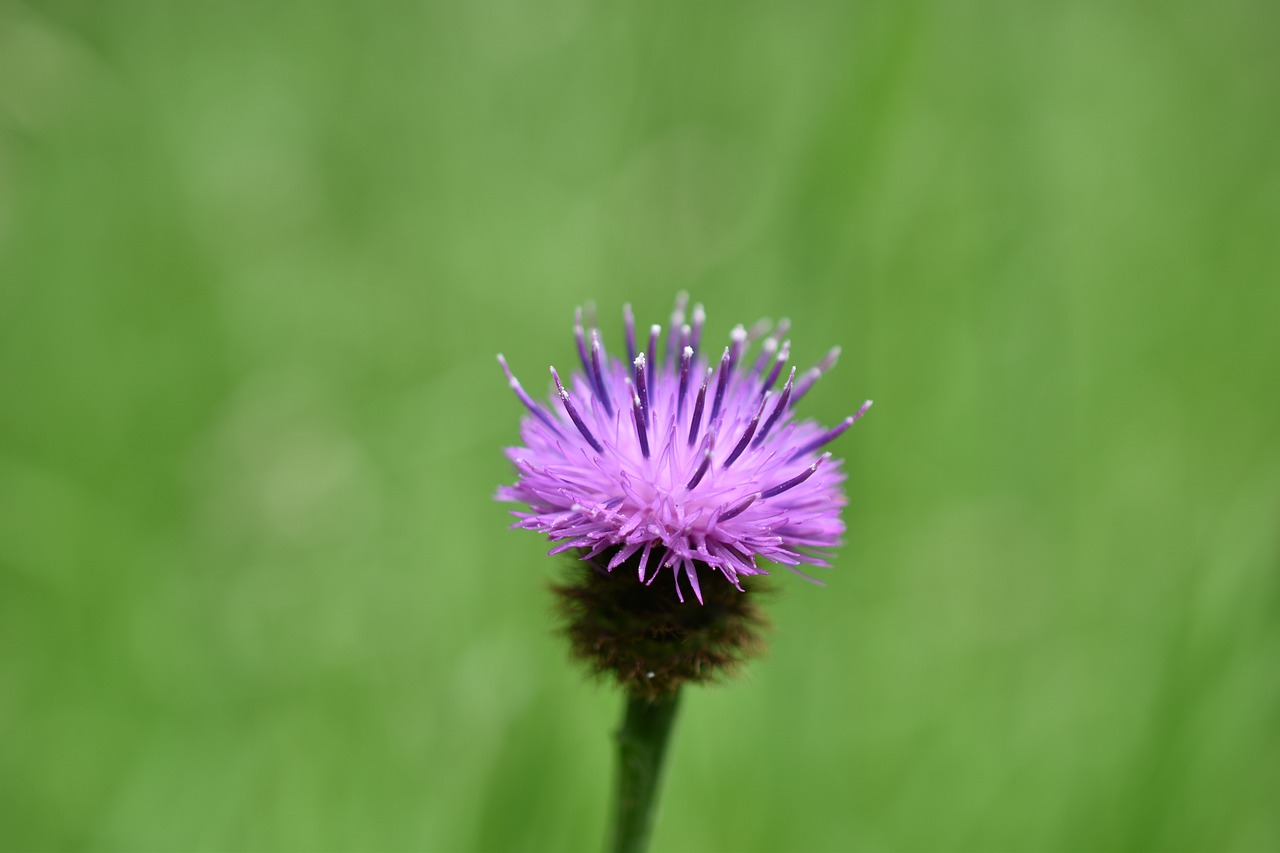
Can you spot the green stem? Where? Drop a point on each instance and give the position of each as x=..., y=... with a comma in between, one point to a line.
x=642, y=744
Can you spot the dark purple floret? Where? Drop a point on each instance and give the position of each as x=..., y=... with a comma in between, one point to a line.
x=625, y=464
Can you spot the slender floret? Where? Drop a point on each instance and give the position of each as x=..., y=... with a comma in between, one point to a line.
x=620, y=462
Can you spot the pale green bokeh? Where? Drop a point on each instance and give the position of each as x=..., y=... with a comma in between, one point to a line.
x=256, y=260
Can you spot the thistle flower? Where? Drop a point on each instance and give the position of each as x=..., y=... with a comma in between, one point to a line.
x=672, y=459
x=680, y=458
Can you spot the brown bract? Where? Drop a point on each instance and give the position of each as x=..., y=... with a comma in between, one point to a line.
x=649, y=641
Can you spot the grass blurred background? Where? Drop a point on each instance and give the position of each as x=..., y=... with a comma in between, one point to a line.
x=256, y=260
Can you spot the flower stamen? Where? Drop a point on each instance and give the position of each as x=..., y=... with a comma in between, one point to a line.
x=677, y=321
x=597, y=374
x=726, y=364
x=642, y=387
x=747, y=433
x=637, y=408
x=777, y=410
x=767, y=350
x=699, y=318
x=705, y=464
x=529, y=402
x=740, y=507
x=794, y=481
x=697, y=408
x=573, y=413
x=629, y=325
x=685, y=358
x=831, y=434
x=783, y=355
x=654, y=332
x=814, y=373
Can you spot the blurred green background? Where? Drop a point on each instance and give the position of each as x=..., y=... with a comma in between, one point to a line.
x=256, y=260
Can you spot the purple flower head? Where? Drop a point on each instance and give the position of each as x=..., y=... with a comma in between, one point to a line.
x=689, y=459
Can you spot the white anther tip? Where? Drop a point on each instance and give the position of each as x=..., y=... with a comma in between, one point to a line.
x=688, y=351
